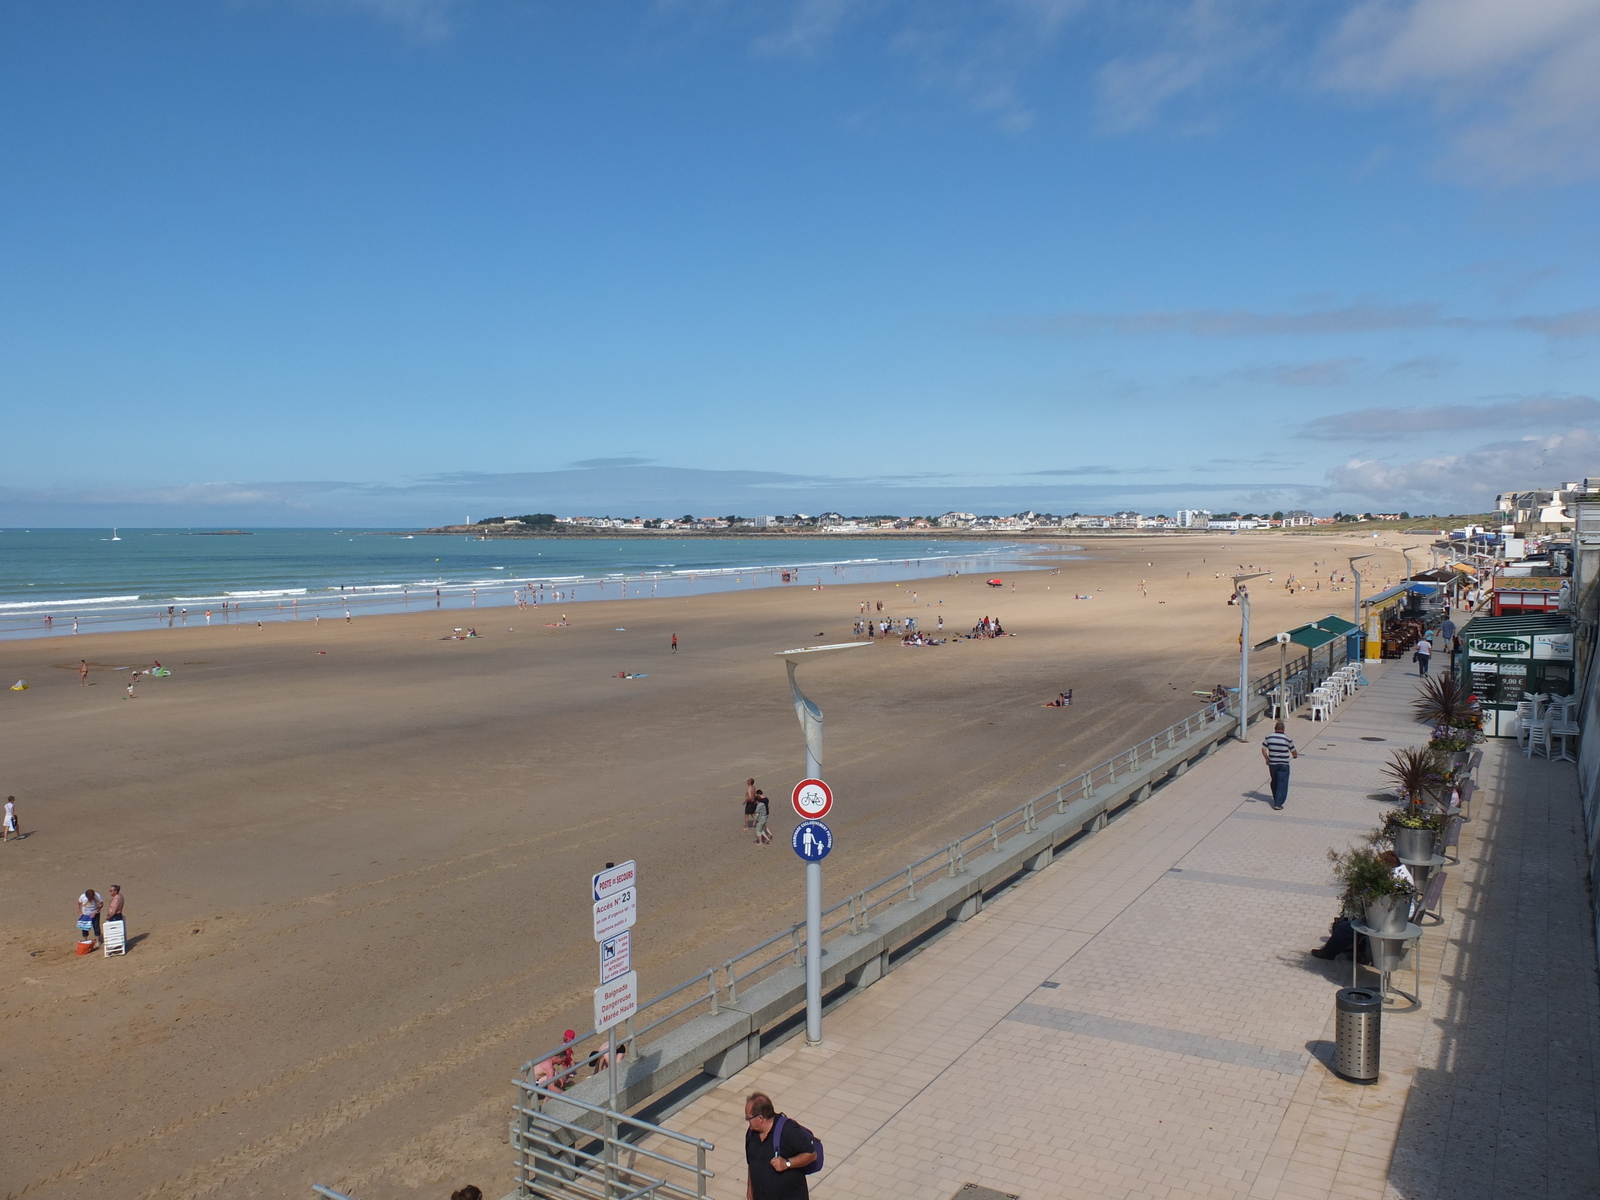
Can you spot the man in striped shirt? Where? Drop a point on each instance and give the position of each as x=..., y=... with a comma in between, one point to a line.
x=1277, y=750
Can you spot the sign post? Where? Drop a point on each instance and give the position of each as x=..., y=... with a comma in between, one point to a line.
x=616, y=908
x=812, y=792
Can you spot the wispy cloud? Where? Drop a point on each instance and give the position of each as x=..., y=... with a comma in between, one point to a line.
x=1467, y=482
x=1345, y=320
x=1526, y=411
x=1515, y=82
x=1101, y=469
x=594, y=464
x=425, y=20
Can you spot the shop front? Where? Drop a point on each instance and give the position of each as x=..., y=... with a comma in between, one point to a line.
x=1507, y=658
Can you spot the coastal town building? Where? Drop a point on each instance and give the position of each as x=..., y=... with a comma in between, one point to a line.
x=1193, y=518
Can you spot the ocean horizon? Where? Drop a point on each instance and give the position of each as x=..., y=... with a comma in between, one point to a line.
x=55, y=581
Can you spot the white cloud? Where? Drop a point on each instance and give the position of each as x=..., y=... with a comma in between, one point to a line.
x=1469, y=482
x=1517, y=81
x=1526, y=411
x=426, y=20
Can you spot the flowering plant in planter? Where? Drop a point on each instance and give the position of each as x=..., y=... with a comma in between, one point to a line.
x=1365, y=878
x=1417, y=774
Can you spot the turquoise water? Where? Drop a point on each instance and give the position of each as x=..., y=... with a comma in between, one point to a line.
x=52, y=579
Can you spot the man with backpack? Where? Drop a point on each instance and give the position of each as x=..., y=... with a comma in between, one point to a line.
x=779, y=1152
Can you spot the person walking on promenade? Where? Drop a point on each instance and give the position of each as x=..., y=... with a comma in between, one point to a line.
x=8, y=827
x=1424, y=652
x=1276, y=751
x=777, y=1152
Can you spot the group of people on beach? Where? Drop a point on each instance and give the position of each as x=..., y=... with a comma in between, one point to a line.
x=94, y=910
x=988, y=627
x=560, y=1070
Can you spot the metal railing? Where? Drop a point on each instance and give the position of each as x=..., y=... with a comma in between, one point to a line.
x=562, y=1066
x=575, y=1151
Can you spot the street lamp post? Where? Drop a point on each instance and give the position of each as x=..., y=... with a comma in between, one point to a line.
x=1356, y=571
x=811, y=725
x=1244, y=648
x=1405, y=553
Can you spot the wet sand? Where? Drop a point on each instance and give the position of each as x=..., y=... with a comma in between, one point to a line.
x=356, y=855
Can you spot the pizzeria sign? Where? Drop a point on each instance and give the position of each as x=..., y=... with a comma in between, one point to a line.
x=1499, y=645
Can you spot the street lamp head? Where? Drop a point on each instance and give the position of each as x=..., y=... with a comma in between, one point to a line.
x=1238, y=579
x=820, y=649
x=1355, y=558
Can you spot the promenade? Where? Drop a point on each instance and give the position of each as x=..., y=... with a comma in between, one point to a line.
x=1141, y=1019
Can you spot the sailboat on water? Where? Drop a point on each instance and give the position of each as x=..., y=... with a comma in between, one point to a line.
x=114, y=536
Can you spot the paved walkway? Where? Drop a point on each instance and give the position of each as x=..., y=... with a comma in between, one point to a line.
x=1507, y=1089
x=1142, y=1018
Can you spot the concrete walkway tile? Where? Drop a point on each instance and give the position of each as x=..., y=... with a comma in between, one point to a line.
x=1182, y=1052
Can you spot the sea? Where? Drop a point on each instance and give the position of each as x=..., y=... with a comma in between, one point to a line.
x=55, y=581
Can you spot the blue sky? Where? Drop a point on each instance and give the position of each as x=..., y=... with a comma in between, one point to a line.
x=401, y=261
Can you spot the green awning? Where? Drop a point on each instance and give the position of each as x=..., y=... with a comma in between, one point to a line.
x=1321, y=631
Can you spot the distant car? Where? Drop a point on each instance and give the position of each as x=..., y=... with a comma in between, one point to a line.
x=994, y=583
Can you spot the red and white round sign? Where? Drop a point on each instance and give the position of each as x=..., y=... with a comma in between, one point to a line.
x=812, y=799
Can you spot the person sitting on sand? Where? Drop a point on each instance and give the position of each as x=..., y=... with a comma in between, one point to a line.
x=555, y=1072
x=1062, y=700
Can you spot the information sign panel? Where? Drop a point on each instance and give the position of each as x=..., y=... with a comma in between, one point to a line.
x=616, y=1001
x=615, y=913
x=616, y=955
x=621, y=877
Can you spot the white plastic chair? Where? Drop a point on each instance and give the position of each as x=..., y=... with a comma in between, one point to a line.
x=1523, y=722
x=1321, y=705
x=1538, y=737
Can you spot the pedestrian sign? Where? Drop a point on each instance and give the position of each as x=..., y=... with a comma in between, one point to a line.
x=813, y=840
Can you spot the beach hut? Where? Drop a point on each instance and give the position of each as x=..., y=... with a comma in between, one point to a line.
x=1509, y=657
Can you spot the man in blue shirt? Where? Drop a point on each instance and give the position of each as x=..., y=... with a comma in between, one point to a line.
x=1276, y=751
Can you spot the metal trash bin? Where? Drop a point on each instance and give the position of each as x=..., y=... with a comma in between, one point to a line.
x=1357, y=1034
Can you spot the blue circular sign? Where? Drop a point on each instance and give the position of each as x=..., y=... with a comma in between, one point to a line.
x=813, y=840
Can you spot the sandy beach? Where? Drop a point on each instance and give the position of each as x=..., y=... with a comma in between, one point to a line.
x=356, y=854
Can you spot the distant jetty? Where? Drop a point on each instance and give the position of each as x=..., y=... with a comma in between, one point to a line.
x=219, y=533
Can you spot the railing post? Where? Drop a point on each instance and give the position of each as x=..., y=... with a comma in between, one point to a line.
x=1061, y=803
x=866, y=917
x=700, y=1170
x=794, y=936
x=711, y=977
x=950, y=858
x=911, y=883
x=994, y=835
x=733, y=984
x=1028, y=824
